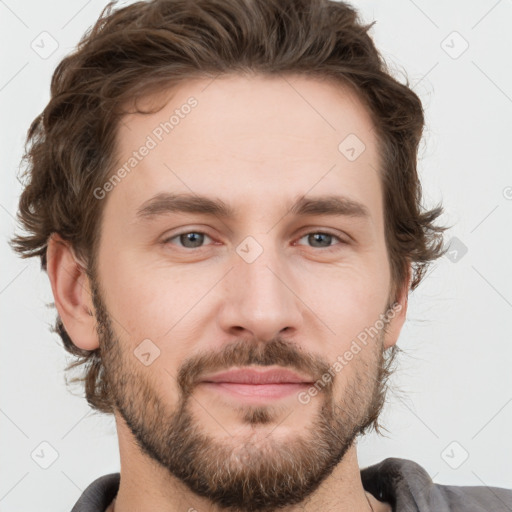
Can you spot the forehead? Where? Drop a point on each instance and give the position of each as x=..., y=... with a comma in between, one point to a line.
x=248, y=139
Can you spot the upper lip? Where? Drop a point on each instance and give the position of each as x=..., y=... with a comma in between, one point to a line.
x=253, y=376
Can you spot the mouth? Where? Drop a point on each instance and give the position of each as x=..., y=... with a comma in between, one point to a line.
x=249, y=384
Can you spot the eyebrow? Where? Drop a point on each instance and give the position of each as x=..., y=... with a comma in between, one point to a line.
x=165, y=203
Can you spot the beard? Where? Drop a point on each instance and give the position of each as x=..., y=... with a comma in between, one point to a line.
x=259, y=472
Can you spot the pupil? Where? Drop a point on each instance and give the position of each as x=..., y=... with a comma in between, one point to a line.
x=194, y=238
x=317, y=237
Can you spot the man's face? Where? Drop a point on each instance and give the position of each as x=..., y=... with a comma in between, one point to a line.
x=269, y=287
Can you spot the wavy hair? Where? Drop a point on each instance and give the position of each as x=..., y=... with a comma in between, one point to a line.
x=147, y=47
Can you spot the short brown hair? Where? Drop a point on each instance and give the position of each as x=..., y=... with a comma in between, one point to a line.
x=151, y=46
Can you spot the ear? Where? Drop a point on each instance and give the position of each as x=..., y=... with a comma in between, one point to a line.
x=397, y=312
x=72, y=293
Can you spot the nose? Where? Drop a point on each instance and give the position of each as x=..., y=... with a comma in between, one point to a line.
x=260, y=300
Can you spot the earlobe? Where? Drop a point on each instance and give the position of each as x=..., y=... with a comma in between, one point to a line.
x=397, y=313
x=71, y=292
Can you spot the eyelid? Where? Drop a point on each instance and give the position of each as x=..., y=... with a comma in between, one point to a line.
x=341, y=235
x=341, y=240
x=307, y=231
x=168, y=237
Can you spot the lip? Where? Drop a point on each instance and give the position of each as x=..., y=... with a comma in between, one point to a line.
x=256, y=386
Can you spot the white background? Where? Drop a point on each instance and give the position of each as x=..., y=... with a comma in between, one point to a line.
x=455, y=376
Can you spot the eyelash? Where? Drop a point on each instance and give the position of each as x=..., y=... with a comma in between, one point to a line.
x=325, y=249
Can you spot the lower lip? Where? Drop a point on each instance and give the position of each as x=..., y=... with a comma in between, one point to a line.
x=256, y=391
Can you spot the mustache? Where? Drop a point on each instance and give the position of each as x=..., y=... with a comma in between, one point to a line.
x=252, y=353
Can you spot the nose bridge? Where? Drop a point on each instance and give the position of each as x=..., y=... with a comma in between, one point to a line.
x=259, y=297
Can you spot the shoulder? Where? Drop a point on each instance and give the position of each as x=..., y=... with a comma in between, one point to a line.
x=99, y=494
x=409, y=488
x=474, y=498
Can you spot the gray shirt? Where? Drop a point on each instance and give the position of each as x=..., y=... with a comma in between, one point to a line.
x=401, y=482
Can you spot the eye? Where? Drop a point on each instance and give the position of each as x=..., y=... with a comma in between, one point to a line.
x=189, y=239
x=322, y=240
x=197, y=239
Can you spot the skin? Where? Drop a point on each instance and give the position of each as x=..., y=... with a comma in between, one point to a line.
x=255, y=143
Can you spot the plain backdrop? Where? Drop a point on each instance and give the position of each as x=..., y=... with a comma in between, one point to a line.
x=453, y=414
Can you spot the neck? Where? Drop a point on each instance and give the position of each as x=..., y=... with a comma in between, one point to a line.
x=145, y=485
x=372, y=503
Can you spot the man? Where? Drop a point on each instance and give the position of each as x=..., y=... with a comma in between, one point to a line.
x=224, y=195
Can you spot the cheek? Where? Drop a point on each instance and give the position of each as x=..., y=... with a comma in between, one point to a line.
x=346, y=298
x=147, y=299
